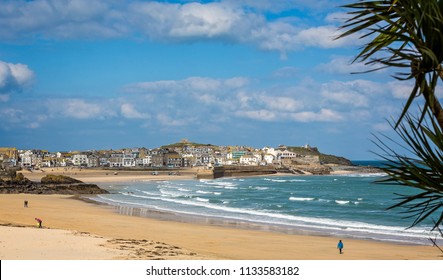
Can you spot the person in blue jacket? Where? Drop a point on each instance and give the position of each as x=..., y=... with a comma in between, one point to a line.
x=340, y=246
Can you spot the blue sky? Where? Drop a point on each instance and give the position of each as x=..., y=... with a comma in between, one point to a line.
x=84, y=74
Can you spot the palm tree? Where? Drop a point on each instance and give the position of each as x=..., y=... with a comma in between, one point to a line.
x=425, y=171
x=407, y=34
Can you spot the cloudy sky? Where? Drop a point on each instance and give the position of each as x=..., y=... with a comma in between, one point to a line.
x=85, y=74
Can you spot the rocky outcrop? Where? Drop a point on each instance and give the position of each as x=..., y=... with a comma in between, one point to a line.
x=37, y=188
x=315, y=169
x=59, y=179
x=50, y=184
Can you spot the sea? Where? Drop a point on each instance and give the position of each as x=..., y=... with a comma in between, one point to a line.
x=345, y=206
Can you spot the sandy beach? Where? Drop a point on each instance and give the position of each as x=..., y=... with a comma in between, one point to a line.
x=70, y=225
x=75, y=229
x=102, y=176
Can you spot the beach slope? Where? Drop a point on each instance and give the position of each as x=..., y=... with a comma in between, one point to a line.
x=115, y=236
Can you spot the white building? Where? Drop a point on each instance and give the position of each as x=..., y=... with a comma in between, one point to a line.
x=269, y=158
x=128, y=160
x=249, y=160
x=287, y=155
x=147, y=161
x=26, y=158
x=80, y=160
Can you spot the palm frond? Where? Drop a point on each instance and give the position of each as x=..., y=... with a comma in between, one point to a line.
x=403, y=34
x=424, y=171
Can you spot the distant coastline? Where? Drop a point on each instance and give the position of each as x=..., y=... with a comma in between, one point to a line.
x=103, y=175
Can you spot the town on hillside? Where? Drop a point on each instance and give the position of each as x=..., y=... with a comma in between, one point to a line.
x=183, y=154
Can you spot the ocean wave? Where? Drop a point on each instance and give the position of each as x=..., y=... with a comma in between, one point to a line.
x=342, y=201
x=258, y=188
x=219, y=183
x=362, y=175
x=208, y=192
x=276, y=180
x=203, y=192
x=301, y=198
x=353, y=228
x=172, y=193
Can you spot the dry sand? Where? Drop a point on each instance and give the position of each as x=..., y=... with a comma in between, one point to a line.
x=114, y=236
x=103, y=176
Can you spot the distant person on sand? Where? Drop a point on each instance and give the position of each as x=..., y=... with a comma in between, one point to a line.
x=340, y=246
x=25, y=204
x=39, y=222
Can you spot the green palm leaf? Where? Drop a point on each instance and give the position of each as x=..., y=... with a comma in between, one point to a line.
x=404, y=34
x=424, y=140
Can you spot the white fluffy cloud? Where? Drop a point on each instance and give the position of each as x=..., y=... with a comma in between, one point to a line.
x=191, y=84
x=82, y=109
x=128, y=111
x=13, y=78
x=324, y=115
x=208, y=102
x=343, y=65
x=356, y=93
x=223, y=21
x=400, y=89
x=209, y=99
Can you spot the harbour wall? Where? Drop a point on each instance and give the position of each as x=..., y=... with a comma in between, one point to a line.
x=234, y=171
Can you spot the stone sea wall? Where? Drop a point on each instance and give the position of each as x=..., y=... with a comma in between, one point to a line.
x=234, y=171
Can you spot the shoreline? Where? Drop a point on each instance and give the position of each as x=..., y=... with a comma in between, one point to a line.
x=234, y=223
x=184, y=240
x=146, y=237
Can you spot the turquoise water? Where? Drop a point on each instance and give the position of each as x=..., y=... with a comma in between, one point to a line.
x=342, y=206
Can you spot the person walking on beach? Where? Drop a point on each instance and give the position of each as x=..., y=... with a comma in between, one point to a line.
x=25, y=204
x=39, y=222
x=340, y=246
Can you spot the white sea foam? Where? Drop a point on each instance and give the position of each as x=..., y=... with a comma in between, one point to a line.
x=362, y=175
x=169, y=197
x=301, y=198
x=342, y=201
x=171, y=193
x=203, y=192
x=352, y=227
x=260, y=188
x=276, y=180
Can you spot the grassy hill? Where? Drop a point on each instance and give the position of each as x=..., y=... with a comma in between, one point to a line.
x=184, y=144
x=324, y=158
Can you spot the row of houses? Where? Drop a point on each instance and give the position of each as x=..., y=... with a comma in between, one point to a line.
x=173, y=157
